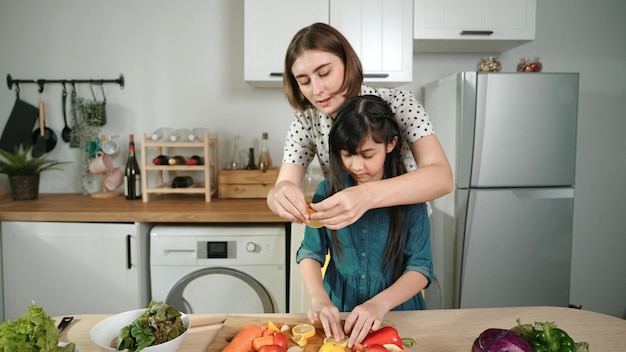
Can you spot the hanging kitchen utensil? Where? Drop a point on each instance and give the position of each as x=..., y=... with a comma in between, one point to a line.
x=19, y=125
x=66, y=133
x=44, y=138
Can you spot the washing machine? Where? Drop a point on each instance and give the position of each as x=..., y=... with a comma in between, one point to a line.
x=237, y=269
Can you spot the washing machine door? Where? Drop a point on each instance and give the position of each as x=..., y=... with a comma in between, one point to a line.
x=220, y=290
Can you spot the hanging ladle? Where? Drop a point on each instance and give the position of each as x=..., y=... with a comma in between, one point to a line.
x=66, y=134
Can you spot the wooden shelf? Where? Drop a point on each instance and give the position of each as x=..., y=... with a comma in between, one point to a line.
x=209, y=146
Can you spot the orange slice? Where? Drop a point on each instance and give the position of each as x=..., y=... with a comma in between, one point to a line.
x=305, y=330
x=300, y=340
x=314, y=223
x=271, y=326
x=342, y=343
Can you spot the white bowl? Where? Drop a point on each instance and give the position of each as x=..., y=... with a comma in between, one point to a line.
x=105, y=331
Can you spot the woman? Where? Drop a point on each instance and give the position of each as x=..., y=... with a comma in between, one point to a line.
x=383, y=261
x=321, y=72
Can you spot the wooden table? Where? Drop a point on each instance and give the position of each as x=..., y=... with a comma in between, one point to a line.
x=451, y=330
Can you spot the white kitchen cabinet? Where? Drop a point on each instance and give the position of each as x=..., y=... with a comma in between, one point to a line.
x=380, y=32
x=269, y=26
x=472, y=25
x=70, y=268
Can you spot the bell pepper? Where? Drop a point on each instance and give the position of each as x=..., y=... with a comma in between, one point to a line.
x=551, y=339
x=382, y=336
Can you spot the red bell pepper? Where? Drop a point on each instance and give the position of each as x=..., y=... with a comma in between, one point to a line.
x=382, y=336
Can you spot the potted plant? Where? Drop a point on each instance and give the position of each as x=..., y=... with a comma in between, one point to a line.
x=24, y=171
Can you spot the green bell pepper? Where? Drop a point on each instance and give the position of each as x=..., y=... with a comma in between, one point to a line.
x=551, y=339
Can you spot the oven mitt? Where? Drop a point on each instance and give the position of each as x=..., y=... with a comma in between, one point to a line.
x=17, y=132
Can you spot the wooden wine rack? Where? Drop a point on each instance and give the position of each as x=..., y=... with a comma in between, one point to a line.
x=209, y=146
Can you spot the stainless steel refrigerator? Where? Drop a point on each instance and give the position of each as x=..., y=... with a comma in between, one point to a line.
x=503, y=237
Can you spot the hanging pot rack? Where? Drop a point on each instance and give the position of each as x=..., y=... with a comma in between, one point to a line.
x=42, y=82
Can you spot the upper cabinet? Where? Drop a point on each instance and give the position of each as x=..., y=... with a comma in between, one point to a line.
x=269, y=26
x=380, y=32
x=472, y=25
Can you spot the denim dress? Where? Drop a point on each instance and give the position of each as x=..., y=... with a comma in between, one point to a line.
x=358, y=274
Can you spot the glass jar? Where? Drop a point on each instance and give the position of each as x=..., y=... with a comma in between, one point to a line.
x=529, y=64
x=489, y=64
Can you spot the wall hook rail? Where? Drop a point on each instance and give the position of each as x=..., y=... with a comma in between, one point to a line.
x=42, y=82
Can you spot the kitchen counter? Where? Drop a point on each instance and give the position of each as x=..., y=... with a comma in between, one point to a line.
x=174, y=208
x=434, y=330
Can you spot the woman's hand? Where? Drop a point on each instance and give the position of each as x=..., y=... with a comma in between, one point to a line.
x=362, y=320
x=286, y=199
x=342, y=208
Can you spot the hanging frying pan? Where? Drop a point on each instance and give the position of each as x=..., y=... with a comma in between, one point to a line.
x=44, y=139
x=17, y=130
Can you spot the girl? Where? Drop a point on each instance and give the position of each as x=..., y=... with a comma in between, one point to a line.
x=321, y=71
x=382, y=261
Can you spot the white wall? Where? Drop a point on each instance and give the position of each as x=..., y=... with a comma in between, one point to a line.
x=183, y=66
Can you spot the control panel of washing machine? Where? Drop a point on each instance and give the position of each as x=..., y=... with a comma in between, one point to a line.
x=217, y=249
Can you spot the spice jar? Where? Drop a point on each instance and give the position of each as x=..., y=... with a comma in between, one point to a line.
x=529, y=64
x=489, y=64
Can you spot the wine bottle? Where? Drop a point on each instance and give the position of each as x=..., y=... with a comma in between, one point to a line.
x=161, y=160
x=177, y=160
x=161, y=134
x=197, y=134
x=132, y=174
x=195, y=160
x=180, y=135
x=265, y=162
x=251, y=165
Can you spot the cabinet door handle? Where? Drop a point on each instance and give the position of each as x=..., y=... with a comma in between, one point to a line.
x=476, y=32
x=276, y=74
x=129, y=263
x=375, y=75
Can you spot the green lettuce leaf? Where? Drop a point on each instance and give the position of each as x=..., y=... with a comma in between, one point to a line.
x=33, y=331
x=158, y=324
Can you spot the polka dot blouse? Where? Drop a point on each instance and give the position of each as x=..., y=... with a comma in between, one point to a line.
x=308, y=134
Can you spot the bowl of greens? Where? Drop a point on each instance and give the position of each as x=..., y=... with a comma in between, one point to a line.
x=157, y=328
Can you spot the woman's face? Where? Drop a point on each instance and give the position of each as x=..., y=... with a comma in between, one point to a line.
x=319, y=75
x=369, y=162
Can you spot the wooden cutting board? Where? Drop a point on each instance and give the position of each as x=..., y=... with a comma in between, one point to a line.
x=233, y=324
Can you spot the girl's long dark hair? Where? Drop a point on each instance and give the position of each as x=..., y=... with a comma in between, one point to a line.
x=358, y=118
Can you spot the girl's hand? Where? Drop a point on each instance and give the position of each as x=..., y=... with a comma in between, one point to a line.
x=342, y=209
x=362, y=320
x=287, y=201
x=328, y=315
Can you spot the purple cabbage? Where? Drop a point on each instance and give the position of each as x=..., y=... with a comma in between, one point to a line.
x=500, y=340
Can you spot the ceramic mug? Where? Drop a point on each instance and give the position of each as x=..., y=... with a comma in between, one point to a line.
x=110, y=146
x=101, y=164
x=114, y=179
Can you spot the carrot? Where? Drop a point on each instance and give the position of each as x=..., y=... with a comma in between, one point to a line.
x=262, y=341
x=242, y=342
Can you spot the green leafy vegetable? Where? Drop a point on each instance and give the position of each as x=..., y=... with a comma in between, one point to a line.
x=546, y=337
x=33, y=331
x=158, y=324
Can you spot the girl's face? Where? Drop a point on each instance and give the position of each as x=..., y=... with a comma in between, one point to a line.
x=369, y=163
x=319, y=75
